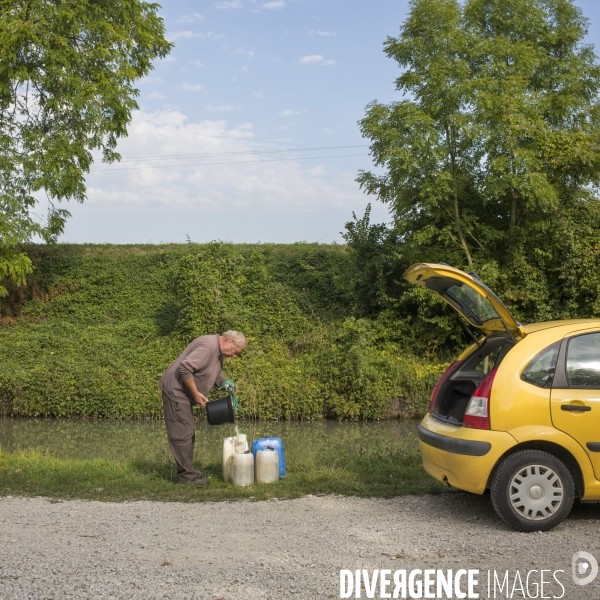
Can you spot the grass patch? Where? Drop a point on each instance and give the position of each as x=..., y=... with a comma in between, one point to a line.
x=362, y=472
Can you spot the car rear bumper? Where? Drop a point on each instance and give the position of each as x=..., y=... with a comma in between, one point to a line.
x=460, y=456
x=453, y=445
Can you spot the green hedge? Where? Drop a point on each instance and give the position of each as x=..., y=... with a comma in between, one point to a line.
x=98, y=325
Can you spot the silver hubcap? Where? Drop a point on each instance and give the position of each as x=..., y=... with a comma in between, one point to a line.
x=536, y=492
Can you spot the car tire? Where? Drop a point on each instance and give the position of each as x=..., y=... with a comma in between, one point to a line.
x=532, y=491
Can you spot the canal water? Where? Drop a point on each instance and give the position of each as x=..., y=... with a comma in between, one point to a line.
x=123, y=440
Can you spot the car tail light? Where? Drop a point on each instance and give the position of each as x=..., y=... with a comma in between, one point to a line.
x=440, y=384
x=477, y=414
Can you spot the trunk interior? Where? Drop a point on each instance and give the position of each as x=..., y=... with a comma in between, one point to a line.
x=456, y=392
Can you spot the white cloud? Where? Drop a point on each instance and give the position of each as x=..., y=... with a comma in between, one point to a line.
x=242, y=52
x=315, y=59
x=194, y=18
x=258, y=94
x=311, y=59
x=249, y=182
x=197, y=63
x=156, y=96
x=229, y=5
x=274, y=5
x=187, y=34
x=242, y=131
x=220, y=108
x=191, y=88
x=289, y=113
x=322, y=33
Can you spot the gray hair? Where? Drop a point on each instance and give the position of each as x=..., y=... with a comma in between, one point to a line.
x=237, y=337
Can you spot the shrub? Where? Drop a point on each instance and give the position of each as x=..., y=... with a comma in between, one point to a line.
x=98, y=326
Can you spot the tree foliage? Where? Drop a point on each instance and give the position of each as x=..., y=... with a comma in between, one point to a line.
x=67, y=75
x=100, y=324
x=491, y=160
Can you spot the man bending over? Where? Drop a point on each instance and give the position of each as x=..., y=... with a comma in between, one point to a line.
x=186, y=383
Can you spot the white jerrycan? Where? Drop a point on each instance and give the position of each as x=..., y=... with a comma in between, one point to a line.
x=241, y=443
x=228, y=452
x=242, y=469
x=267, y=466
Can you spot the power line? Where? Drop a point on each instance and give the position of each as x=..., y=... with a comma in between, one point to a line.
x=176, y=156
x=237, y=162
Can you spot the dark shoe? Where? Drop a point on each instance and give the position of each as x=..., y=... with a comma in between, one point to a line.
x=199, y=482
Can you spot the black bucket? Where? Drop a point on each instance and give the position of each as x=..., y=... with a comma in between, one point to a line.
x=220, y=411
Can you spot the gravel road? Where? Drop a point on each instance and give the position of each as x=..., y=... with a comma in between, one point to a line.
x=273, y=549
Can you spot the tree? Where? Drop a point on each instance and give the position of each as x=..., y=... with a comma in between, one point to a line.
x=535, y=93
x=372, y=250
x=425, y=142
x=67, y=75
x=492, y=160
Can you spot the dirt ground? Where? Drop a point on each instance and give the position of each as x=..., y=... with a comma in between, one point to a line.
x=275, y=549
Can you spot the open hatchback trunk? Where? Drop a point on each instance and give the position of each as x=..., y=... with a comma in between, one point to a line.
x=484, y=311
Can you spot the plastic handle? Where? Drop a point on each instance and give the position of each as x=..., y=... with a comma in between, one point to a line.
x=575, y=408
x=234, y=403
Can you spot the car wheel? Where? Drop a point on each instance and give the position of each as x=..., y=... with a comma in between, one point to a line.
x=532, y=491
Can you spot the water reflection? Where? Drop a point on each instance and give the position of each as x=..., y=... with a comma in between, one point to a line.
x=122, y=440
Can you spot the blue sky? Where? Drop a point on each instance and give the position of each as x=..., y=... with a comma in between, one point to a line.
x=248, y=82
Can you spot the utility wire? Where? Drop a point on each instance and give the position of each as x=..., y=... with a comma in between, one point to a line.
x=236, y=162
x=176, y=156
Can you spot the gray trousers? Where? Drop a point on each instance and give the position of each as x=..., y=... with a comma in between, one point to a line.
x=179, y=419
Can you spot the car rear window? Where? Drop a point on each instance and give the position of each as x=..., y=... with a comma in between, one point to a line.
x=540, y=371
x=470, y=303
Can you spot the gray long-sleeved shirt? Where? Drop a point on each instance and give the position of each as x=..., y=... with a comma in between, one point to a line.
x=202, y=360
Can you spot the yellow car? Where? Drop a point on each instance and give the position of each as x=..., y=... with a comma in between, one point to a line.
x=518, y=413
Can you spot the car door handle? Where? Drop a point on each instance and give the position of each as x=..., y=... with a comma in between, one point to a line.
x=575, y=407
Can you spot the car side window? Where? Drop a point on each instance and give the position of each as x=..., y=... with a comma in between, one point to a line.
x=583, y=361
x=540, y=371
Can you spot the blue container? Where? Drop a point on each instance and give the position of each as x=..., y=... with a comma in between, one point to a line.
x=274, y=443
